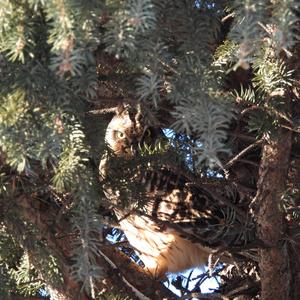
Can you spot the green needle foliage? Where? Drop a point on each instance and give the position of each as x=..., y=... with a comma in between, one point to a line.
x=57, y=60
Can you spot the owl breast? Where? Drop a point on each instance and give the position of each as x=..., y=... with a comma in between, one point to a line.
x=162, y=250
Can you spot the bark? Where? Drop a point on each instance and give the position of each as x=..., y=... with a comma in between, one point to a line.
x=121, y=276
x=274, y=259
x=135, y=278
x=18, y=297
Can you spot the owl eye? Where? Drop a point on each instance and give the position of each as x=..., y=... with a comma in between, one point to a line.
x=120, y=135
x=147, y=133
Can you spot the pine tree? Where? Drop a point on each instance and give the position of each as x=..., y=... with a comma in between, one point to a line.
x=221, y=76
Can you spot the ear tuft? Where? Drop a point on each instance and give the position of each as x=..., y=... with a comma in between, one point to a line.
x=123, y=108
x=120, y=108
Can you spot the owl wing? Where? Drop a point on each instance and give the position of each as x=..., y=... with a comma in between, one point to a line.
x=209, y=213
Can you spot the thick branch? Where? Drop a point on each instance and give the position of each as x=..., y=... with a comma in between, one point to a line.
x=121, y=275
x=140, y=283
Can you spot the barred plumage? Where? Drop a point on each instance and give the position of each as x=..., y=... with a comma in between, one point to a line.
x=181, y=222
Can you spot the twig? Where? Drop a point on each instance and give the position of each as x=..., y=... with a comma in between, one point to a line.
x=137, y=292
x=168, y=66
x=249, y=162
x=278, y=114
x=189, y=279
x=297, y=129
x=253, y=107
x=238, y=290
x=231, y=15
x=202, y=296
x=268, y=109
x=243, y=152
x=102, y=111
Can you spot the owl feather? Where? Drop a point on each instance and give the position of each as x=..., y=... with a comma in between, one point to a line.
x=173, y=222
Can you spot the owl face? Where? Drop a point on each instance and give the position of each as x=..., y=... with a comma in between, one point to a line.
x=126, y=132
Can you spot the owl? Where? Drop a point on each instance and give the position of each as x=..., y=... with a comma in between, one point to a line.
x=180, y=223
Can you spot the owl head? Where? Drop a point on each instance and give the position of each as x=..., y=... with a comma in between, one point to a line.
x=128, y=130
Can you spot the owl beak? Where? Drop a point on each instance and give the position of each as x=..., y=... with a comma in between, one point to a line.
x=133, y=149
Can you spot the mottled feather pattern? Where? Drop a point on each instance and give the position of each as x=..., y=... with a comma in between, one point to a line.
x=181, y=222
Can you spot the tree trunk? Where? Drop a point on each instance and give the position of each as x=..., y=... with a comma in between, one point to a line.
x=276, y=281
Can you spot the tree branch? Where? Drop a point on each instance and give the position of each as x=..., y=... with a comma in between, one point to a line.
x=121, y=275
x=242, y=153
